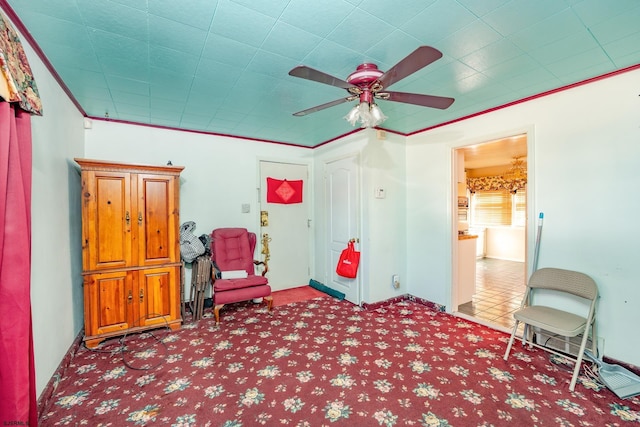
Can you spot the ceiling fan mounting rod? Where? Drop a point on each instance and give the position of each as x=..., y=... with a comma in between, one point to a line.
x=366, y=96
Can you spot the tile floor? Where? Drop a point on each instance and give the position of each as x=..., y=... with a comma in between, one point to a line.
x=500, y=286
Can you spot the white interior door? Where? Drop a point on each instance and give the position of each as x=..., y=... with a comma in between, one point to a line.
x=287, y=228
x=341, y=201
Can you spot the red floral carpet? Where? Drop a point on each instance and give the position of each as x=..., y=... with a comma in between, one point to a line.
x=326, y=362
x=299, y=294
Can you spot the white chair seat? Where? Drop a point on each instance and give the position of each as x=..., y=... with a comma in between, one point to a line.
x=552, y=320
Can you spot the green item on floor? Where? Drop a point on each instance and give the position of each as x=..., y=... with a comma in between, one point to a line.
x=327, y=290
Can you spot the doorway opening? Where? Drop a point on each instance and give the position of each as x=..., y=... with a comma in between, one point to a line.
x=491, y=219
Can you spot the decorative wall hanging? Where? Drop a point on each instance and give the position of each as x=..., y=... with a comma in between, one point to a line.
x=15, y=73
x=284, y=191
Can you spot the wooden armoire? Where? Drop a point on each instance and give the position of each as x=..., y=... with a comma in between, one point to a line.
x=130, y=248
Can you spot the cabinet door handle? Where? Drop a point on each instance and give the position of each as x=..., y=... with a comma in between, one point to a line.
x=141, y=295
x=130, y=297
x=127, y=217
x=140, y=218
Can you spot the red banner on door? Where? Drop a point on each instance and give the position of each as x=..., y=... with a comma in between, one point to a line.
x=284, y=191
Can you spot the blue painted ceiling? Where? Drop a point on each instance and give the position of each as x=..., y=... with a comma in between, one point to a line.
x=222, y=66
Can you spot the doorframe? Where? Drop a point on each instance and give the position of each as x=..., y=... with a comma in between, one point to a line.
x=310, y=198
x=530, y=224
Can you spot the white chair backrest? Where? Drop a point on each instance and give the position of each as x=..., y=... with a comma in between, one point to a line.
x=557, y=279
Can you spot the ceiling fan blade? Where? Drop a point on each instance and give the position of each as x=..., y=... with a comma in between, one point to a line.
x=432, y=101
x=308, y=73
x=323, y=106
x=419, y=58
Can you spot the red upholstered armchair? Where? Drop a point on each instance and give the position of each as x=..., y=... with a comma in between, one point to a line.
x=232, y=253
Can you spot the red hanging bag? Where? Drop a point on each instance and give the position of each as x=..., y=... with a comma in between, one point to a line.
x=348, y=262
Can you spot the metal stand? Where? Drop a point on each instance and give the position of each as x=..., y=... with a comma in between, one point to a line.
x=182, y=302
x=200, y=280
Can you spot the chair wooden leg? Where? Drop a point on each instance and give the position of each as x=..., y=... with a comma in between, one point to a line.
x=269, y=301
x=216, y=312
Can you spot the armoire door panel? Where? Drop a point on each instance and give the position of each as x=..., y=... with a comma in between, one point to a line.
x=109, y=221
x=157, y=295
x=111, y=302
x=157, y=230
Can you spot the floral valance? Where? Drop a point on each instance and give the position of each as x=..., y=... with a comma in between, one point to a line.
x=15, y=73
x=495, y=183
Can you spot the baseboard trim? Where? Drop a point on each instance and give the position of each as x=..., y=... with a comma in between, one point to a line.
x=383, y=303
x=427, y=303
x=430, y=304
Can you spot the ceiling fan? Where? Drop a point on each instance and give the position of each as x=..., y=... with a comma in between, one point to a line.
x=368, y=83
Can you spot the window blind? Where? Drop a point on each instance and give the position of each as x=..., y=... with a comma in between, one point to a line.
x=491, y=208
x=499, y=207
x=520, y=208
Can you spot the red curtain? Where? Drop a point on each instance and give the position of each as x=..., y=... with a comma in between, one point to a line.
x=18, y=404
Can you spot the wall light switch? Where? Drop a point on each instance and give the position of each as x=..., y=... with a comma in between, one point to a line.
x=380, y=193
x=246, y=208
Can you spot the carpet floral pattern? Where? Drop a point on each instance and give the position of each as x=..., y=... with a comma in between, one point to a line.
x=326, y=362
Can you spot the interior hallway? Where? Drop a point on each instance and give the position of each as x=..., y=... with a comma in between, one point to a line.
x=500, y=286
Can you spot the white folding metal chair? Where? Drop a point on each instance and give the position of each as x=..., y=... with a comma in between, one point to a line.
x=555, y=320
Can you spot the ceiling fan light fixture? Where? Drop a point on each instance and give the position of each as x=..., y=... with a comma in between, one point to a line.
x=377, y=115
x=366, y=114
x=352, y=116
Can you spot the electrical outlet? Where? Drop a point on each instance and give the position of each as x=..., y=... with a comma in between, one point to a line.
x=396, y=281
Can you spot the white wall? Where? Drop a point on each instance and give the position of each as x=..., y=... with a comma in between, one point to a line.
x=220, y=173
x=384, y=167
x=382, y=221
x=56, y=263
x=507, y=243
x=430, y=227
x=583, y=155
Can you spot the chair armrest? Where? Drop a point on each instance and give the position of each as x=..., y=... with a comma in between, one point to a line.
x=215, y=272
